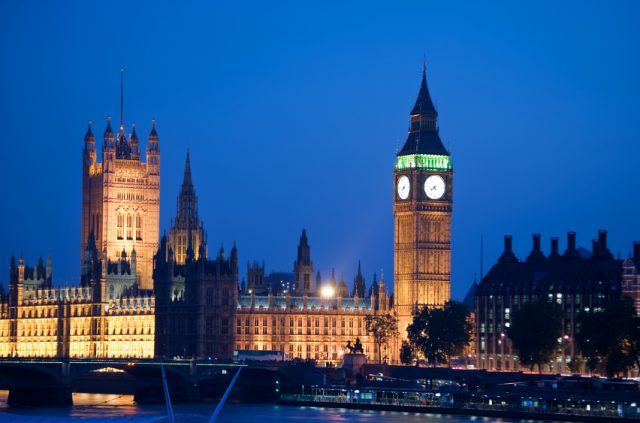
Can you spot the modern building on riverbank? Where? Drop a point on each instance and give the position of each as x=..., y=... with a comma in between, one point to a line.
x=577, y=279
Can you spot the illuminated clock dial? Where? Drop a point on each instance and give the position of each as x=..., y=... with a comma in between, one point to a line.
x=434, y=187
x=404, y=186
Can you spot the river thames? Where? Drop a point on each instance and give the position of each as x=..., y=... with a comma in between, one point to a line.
x=103, y=408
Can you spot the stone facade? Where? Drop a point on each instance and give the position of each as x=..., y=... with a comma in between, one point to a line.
x=121, y=197
x=305, y=325
x=40, y=320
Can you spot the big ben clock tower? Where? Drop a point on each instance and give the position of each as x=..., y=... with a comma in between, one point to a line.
x=422, y=205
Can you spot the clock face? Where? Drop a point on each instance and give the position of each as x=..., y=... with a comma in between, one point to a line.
x=404, y=186
x=434, y=187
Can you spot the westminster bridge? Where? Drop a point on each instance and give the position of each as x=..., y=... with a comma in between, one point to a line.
x=52, y=381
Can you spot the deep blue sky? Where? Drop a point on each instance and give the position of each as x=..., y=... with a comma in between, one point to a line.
x=293, y=113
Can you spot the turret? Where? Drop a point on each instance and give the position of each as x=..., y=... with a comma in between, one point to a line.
x=20, y=270
x=359, y=283
x=89, y=147
x=108, y=144
x=49, y=269
x=202, y=251
x=234, y=259
x=383, y=300
x=342, y=288
x=134, y=142
x=134, y=260
x=318, y=283
x=373, y=290
x=303, y=267
x=153, y=151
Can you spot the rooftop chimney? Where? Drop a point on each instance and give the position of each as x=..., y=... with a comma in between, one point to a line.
x=603, y=251
x=507, y=255
x=595, y=247
x=571, y=251
x=554, y=247
x=602, y=239
x=536, y=253
x=571, y=241
x=508, y=244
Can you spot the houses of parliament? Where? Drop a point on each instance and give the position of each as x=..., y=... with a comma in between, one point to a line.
x=143, y=296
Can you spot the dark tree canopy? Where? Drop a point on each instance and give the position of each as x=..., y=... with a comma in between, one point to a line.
x=440, y=333
x=534, y=332
x=609, y=337
x=383, y=327
x=406, y=353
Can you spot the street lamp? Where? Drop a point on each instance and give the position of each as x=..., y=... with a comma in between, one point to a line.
x=327, y=291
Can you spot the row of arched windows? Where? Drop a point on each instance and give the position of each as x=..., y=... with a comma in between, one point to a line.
x=129, y=225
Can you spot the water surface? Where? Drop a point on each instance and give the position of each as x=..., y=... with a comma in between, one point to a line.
x=108, y=408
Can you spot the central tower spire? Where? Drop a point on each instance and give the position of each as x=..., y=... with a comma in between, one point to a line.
x=122, y=98
x=423, y=137
x=187, y=231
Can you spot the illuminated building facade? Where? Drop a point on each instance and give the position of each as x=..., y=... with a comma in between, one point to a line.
x=312, y=322
x=106, y=316
x=186, y=229
x=139, y=297
x=576, y=280
x=422, y=207
x=121, y=197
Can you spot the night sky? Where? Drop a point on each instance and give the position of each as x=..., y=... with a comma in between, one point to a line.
x=293, y=114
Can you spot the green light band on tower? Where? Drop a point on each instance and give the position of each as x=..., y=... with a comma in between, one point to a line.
x=423, y=161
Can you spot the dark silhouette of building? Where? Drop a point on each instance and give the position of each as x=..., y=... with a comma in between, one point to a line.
x=195, y=300
x=577, y=279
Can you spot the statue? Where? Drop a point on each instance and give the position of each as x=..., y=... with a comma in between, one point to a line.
x=350, y=347
x=357, y=348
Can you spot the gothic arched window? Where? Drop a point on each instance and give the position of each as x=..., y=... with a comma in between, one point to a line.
x=209, y=296
x=129, y=226
x=120, y=226
x=139, y=227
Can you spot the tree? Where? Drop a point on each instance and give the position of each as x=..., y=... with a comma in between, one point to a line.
x=575, y=365
x=440, y=333
x=609, y=336
x=406, y=353
x=534, y=332
x=383, y=327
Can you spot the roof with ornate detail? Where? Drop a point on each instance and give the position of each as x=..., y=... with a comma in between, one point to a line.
x=423, y=137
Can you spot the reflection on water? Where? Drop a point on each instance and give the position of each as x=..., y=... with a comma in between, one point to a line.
x=112, y=408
